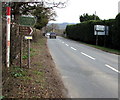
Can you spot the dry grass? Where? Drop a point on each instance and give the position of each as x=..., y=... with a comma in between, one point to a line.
x=39, y=81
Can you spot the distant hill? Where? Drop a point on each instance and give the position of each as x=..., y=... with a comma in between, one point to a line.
x=62, y=25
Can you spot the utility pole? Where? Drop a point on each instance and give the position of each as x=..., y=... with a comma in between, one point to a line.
x=8, y=10
x=95, y=16
x=96, y=32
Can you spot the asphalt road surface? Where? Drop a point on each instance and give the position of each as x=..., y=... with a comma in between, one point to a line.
x=86, y=72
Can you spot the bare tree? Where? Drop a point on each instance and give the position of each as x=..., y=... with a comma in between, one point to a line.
x=56, y=3
x=24, y=7
x=48, y=3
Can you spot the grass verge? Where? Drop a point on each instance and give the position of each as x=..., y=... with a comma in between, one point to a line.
x=100, y=47
x=103, y=48
x=39, y=81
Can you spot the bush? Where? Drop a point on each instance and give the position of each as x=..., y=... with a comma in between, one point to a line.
x=85, y=32
x=116, y=31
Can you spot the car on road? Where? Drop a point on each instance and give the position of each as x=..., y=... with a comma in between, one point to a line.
x=52, y=35
x=47, y=35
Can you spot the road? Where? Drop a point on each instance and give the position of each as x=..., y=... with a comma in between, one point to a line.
x=86, y=72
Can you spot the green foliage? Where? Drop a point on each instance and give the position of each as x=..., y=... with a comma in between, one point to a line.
x=86, y=17
x=18, y=72
x=84, y=32
x=103, y=48
x=116, y=36
x=27, y=78
x=43, y=15
x=32, y=52
x=38, y=73
x=24, y=57
x=2, y=97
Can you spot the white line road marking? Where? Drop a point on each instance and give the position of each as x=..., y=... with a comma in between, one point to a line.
x=63, y=42
x=88, y=56
x=73, y=48
x=112, y=68
x=66, y=44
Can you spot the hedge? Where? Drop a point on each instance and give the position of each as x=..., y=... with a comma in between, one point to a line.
x=85, y=32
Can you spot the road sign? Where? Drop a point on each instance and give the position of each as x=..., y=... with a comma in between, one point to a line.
x=31, y=30
x=27, y=21
x=28, y=37
x=26, y=30
x=101, y=30
x=100, y=27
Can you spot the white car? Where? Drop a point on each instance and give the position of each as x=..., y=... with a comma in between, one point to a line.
x=47, y=35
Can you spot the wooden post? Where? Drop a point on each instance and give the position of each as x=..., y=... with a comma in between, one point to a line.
x=96, y=38
x=21, y=48
x=28, y=53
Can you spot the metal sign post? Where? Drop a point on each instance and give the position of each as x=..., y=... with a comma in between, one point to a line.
x=8, y=9
x=96, y=37
x=28, y=38
x=28, y=53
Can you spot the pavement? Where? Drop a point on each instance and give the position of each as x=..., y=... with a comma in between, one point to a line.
x=86, y=72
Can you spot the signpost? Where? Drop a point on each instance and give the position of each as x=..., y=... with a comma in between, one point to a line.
x=26, y=22
x=100, y=30
x=27, y=31
x=28, y=38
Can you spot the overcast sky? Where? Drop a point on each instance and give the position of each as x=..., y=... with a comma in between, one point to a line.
x=105, y=9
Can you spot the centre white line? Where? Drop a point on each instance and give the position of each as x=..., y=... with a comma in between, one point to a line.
x=63, y=42
x=88, y=56
x=112, y=68
x=73, y=48
x=66, y=44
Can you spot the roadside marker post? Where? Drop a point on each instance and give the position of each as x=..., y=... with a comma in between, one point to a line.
x=28, y=38
x=27, y=32
x=28, y=53
x=8, y=11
